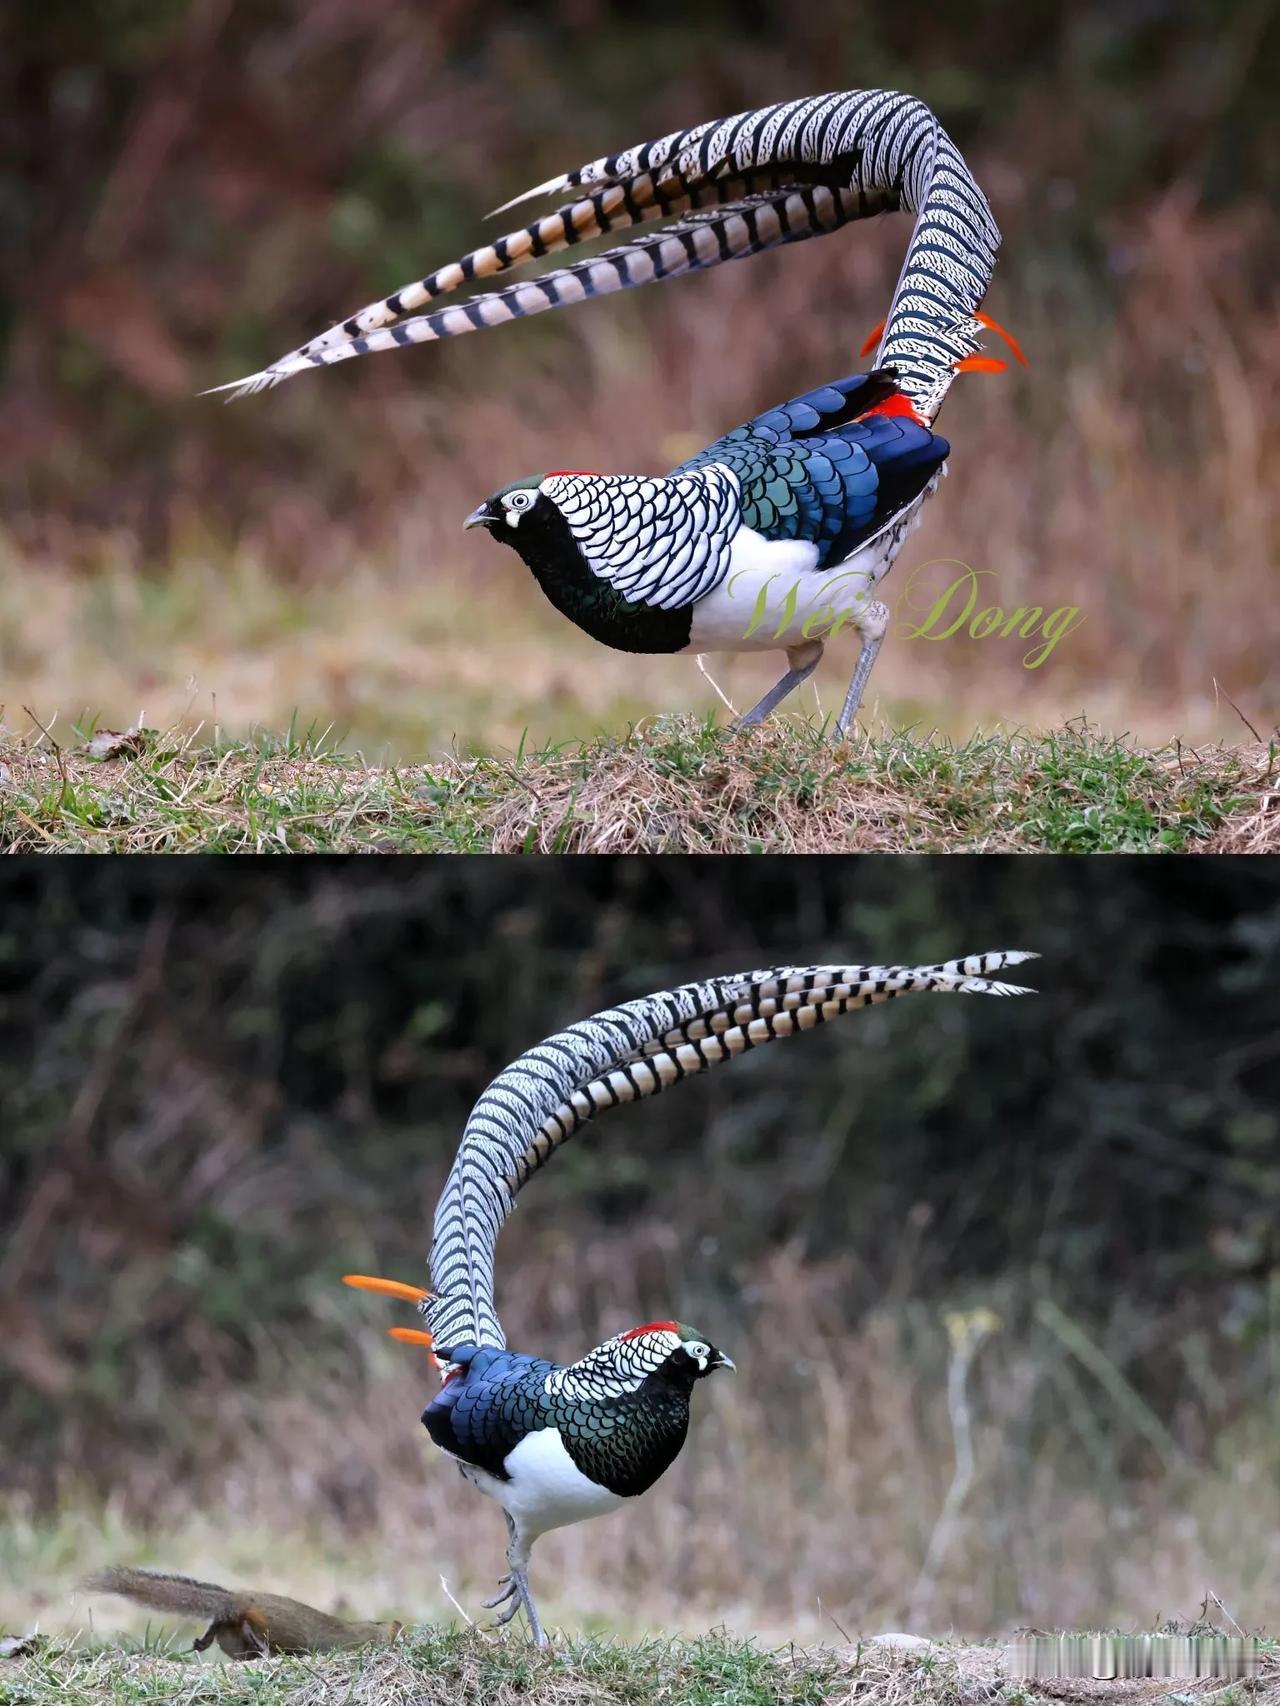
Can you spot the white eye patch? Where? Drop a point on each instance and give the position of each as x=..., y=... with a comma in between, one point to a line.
x=699, y=1353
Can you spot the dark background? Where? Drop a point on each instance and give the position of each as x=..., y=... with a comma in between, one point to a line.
x=220, y=1089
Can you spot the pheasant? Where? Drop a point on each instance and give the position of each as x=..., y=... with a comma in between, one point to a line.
x=750, y=545
x=773, y=537
x=556, y=1444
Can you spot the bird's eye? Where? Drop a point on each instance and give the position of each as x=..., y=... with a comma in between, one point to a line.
x=519, y=500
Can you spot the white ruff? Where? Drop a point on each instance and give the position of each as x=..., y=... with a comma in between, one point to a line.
x=663, y=542
x=547, y=1489
x=772, y=590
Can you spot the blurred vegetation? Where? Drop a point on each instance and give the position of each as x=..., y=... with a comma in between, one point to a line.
x=223, y=1087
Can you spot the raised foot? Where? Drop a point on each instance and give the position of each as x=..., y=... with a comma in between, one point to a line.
x=508, y=1594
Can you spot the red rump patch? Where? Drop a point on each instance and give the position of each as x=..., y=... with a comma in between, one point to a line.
x=591, y=473
x=649, y=1327
x=895, y=405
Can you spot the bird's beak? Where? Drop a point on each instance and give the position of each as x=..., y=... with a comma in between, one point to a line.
x=722, y=1361
x=481, y=517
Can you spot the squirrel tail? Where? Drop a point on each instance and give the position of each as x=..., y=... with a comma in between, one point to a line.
x=164, y=1592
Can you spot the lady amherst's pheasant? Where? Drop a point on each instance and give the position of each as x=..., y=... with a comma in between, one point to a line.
x=555, y=1444
x=777, y=535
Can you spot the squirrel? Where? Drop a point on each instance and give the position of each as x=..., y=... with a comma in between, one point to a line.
x=245, y=1624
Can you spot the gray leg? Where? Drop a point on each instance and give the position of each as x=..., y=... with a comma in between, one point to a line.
x=514, y=1587
x=803, y=660
x=506, y=1584
x=530, y=1611
x=871, y=630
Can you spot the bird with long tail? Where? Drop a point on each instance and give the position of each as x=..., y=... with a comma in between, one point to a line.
x=554, y=1444
x=776, y=536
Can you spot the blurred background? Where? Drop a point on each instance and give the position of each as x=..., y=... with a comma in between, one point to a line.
x=220, y=1091
x=188, y=188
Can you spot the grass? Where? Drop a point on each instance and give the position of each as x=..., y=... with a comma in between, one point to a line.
x=676, y=784
x=467, y=1665
x=473, y=1666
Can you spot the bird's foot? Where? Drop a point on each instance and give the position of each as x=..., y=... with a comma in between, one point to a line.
x=504, y=1617
x=515, y=1596
x=507, y=1590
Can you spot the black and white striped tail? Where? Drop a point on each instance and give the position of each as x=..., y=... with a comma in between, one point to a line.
x=623, y=1055
x=701, y=239
x=737, y=186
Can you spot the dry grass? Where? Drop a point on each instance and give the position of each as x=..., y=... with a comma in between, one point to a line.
x=1253, y=829
x=476, y=1668
x=671, y=786
x=468, y=1667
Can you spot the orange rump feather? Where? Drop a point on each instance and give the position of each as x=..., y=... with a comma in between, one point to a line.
x=389, y=1288
x=995, y=326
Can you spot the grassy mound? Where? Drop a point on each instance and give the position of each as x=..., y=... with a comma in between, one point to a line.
x=675, y=785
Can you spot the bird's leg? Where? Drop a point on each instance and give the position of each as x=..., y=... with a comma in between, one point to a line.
x=803, y=660
x=871, y=630
x=515, y=1586
x=506, y=1584
x=530, y=1611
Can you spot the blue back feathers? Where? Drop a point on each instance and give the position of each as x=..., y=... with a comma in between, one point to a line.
x=480, y=1414
x=812, y=469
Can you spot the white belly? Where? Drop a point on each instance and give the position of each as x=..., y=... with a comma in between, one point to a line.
x=773, y=596
x=547, y=1489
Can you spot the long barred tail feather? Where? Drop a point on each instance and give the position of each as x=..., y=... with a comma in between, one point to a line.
x=623, y=1055
x=646, y=197
x=741, y=185
x=703, y=238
